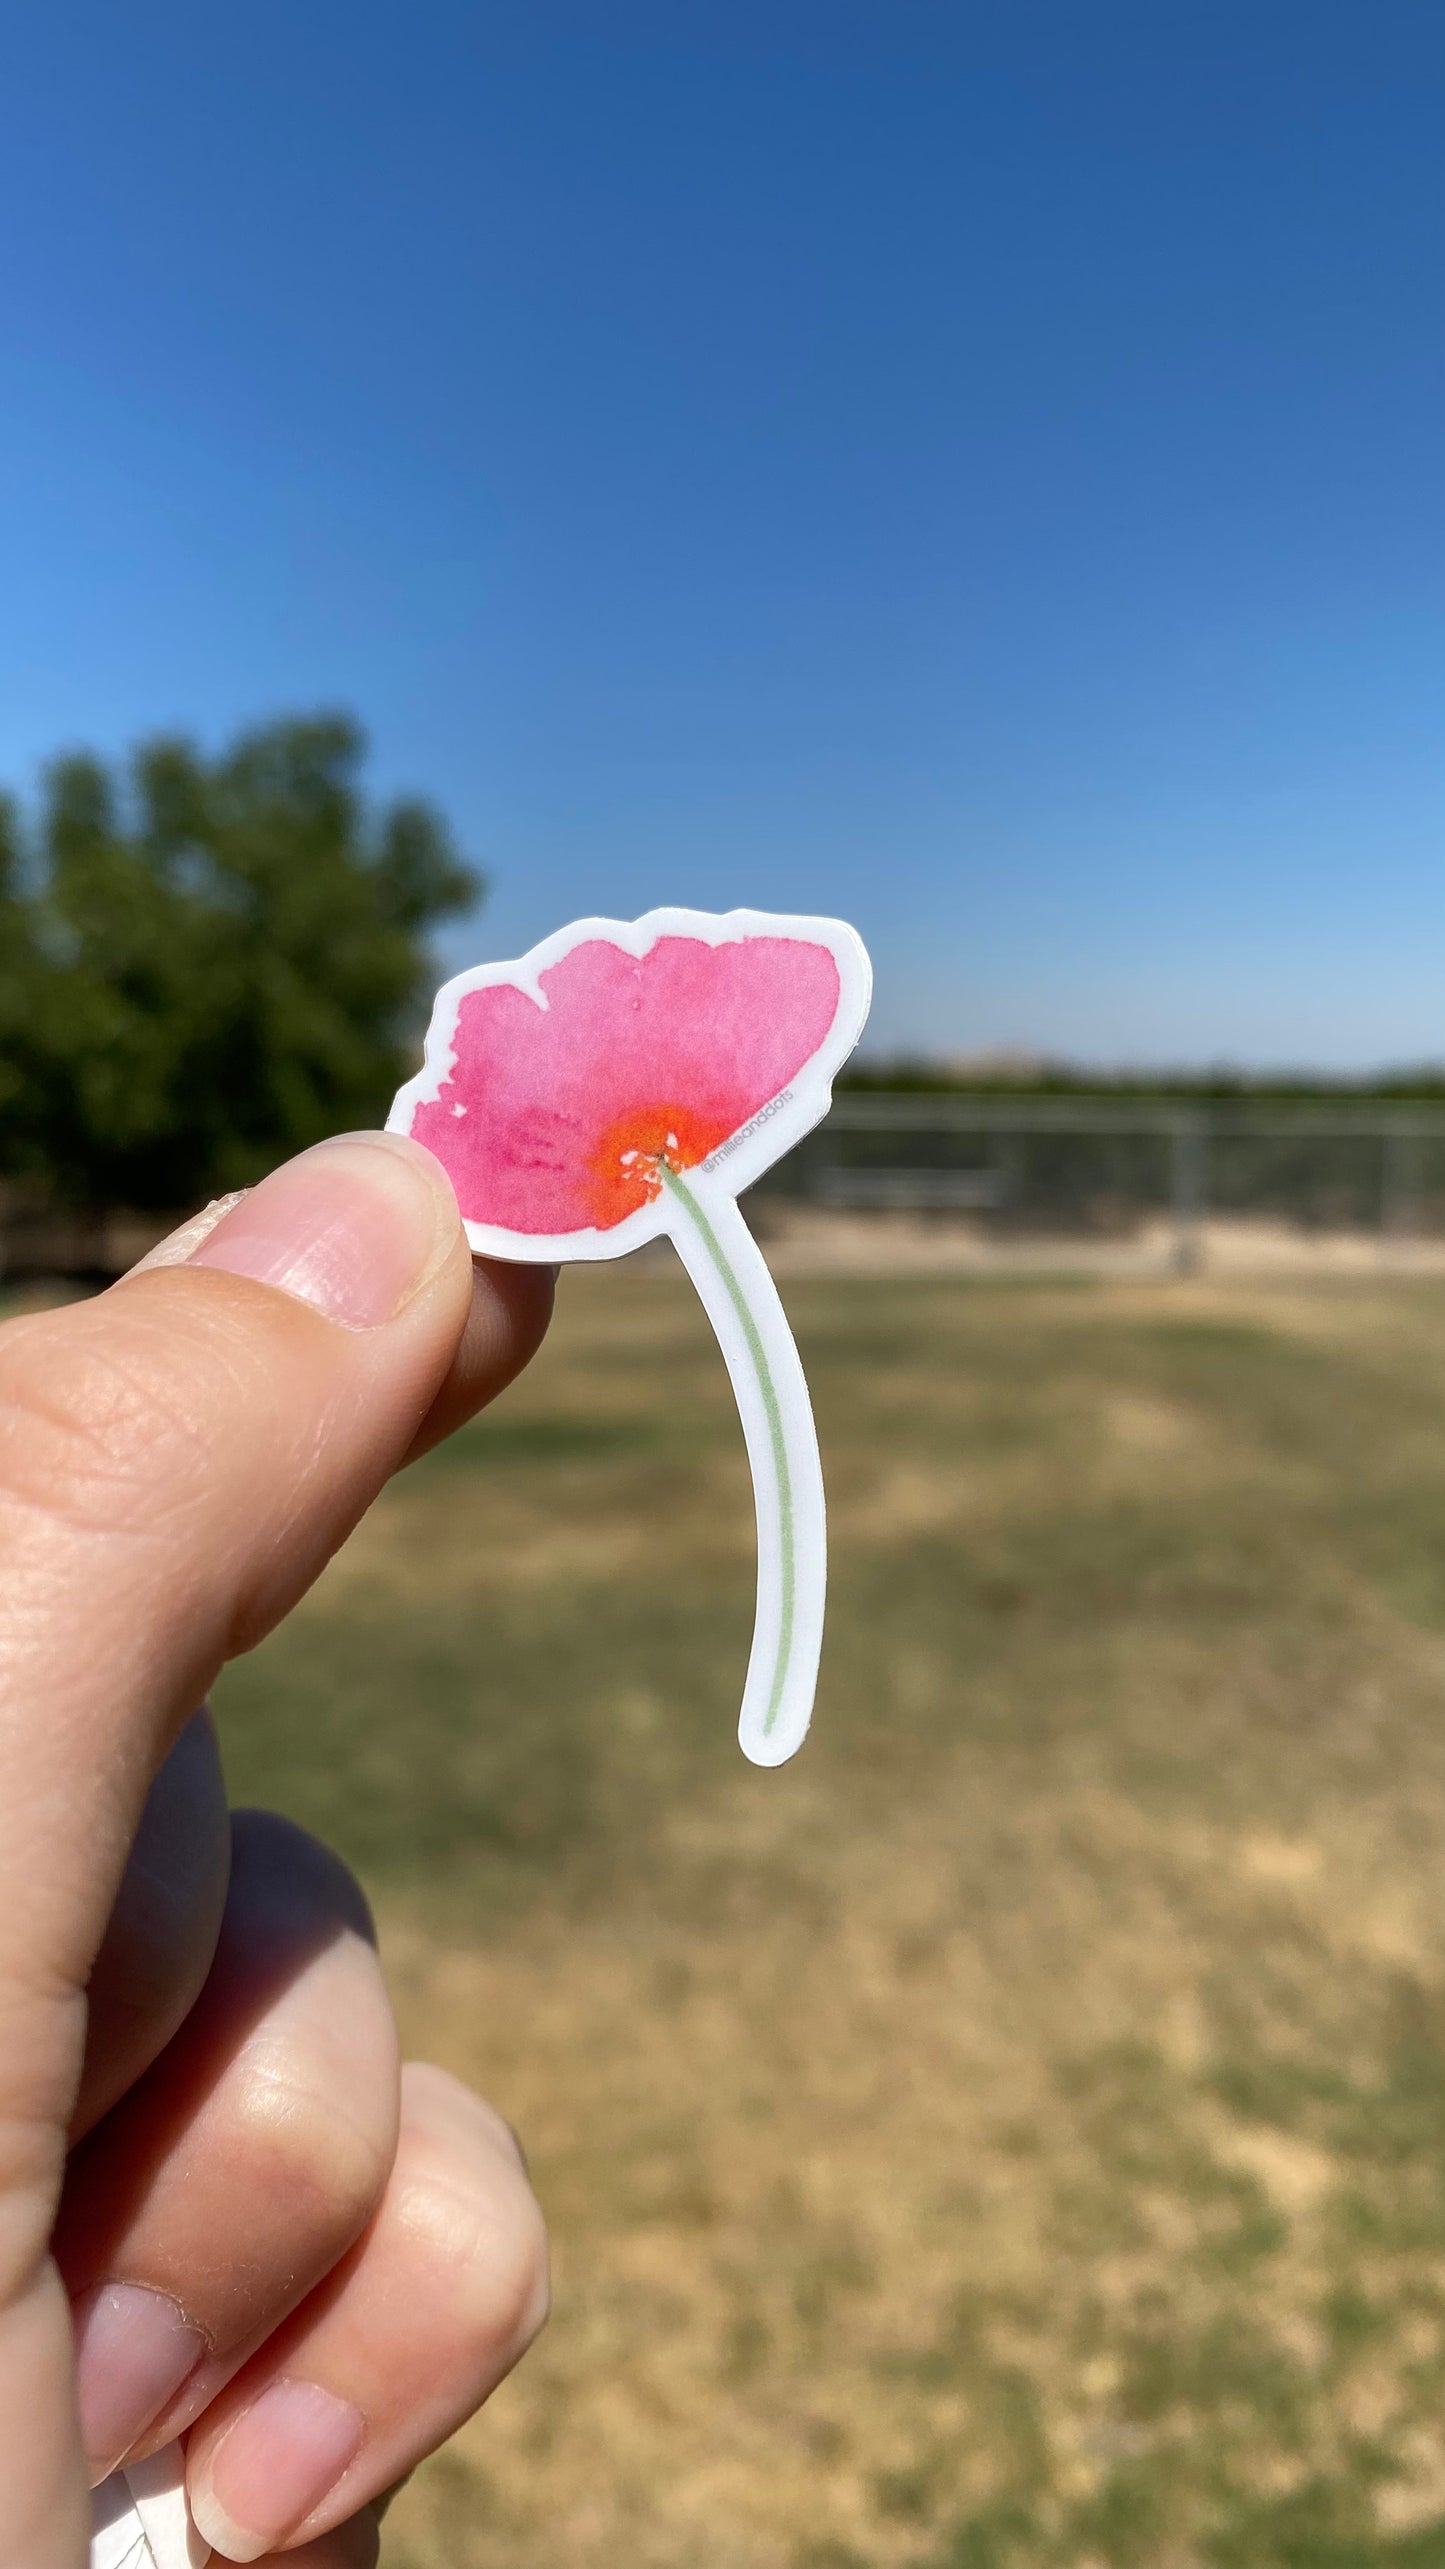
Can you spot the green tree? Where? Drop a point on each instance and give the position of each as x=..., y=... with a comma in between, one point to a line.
x=207, y=964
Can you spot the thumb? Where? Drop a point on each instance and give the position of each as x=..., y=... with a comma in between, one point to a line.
x=177, y=1460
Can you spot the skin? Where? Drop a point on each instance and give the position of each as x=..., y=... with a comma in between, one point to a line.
x=199, y=2085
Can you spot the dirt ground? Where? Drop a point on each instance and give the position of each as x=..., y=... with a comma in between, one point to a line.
x=805, y=1241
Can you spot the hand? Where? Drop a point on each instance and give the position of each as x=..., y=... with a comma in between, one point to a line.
x=264, y=2233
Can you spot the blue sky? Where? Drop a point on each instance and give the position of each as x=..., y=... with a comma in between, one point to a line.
x=973, y=468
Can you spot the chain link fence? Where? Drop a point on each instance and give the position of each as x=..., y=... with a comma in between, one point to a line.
x=1101, y=1169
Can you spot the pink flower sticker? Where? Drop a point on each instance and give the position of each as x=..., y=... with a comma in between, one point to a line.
x=630, y=1078
x=560, y=1091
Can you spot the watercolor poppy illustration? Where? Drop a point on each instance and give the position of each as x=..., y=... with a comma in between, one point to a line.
x=562, y=1091
x=626, y=1079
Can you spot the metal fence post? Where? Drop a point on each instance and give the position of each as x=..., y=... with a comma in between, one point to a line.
x=1399, y=1182
x=1188, y=1185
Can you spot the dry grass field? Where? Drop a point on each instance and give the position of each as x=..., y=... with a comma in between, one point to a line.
x=1013, y=2137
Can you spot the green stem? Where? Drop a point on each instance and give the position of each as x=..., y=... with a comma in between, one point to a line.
x=772, y=1411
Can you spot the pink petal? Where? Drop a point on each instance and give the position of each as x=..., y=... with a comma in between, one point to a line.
x=552, y=1096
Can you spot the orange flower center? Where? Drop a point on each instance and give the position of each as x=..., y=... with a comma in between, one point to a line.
x=626, y=1167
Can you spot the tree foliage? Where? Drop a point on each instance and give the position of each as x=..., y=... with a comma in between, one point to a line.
x=206, y=964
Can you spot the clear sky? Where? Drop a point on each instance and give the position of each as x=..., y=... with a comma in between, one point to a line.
x=972, y=467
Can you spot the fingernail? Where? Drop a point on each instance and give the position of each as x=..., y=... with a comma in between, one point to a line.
x=272, y=2469
x=133, y=2350
x=354, y=1227
x=179, y=1247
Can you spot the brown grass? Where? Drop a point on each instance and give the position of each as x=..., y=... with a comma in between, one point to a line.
x=1015, y=2134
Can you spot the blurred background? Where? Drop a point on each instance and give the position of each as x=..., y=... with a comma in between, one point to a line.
x=974, y=469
